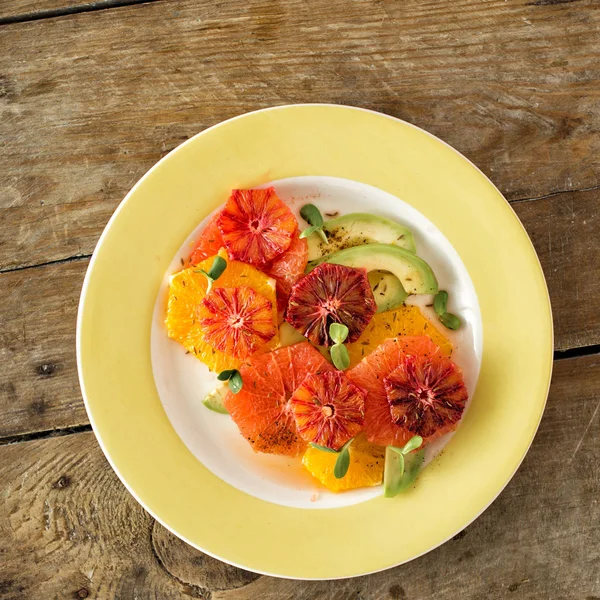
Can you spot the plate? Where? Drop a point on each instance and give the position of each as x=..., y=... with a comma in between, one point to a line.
x=241, y=524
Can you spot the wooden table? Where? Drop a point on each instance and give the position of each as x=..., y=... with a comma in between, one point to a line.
x=93, y=93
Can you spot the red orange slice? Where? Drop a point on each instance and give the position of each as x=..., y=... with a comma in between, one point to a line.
x=256, y=226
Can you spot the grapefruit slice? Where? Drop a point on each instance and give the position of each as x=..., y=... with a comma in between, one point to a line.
x=366, y=466
x=261, y=409
x=256, y=226
x=187, y=290
x=328, y=409
x=209, y=243
x=403, y=321
x=287, y=268
x=331, y=294
x=408, y=380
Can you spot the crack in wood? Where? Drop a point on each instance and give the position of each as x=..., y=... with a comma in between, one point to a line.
x=552, y=194
x=70, y=10
x=41, y=435
x=59, y=261
x=549, y=2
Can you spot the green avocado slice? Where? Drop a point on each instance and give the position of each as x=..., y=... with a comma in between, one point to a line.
x=355, y=229
x=414, y=273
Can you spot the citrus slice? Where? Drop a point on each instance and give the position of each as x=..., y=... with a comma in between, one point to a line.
x=236, y=321
x=331, y=294
x=209, y=243
x=287, y=268
x=261, y=409
x=187, y=290
x=431, y=379
x=403, y=321
x=256, y=226
x=427, y=395
x=366, y=466
x=328, y=409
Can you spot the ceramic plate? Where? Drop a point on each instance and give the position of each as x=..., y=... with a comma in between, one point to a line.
x=192, y=470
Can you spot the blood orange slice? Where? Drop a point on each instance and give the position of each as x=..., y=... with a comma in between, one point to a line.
x=261, y=409
x=187, y=290
x=209, y=243
x=328, y=409
x=256, y=226
x=287, y=268
x=418, y=379
x=236, y=321
x=331, y=294
x=426, y=396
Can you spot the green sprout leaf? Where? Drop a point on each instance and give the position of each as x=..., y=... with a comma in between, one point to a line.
x=216, y=270
x=343, y=461
x=235, y=383
x=338, y=352
x=323, y=448
x=226, y=375
x=233, y=379
x=338, y=333
x=440, y=302
x=401, y=470
x=449, y=321
x=339, y=356
x=311, y=214
x=412, y=444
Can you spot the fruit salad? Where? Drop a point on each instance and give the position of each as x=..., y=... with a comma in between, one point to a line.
x=311, y=327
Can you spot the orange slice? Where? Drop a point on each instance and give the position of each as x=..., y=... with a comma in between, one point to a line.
x=403, y=321
x=187, y=291
x=366, y=466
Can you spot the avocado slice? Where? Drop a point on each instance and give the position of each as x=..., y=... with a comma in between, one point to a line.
x=355, y=229
x=387, y=290
x=414, y=273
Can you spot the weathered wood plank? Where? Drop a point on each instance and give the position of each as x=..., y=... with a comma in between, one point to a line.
x=565, y=230
x=86, y=537
x=26, y=10
x=39, y=389
x=69, y=527
x=513, y=85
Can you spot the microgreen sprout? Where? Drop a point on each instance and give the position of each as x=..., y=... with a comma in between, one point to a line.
x=311, y=214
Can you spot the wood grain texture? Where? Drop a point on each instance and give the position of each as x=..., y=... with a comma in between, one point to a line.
x=71, y=530
x=512, y=84
x=39, y=388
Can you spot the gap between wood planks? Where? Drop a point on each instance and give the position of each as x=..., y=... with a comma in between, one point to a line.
x=70, y=10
